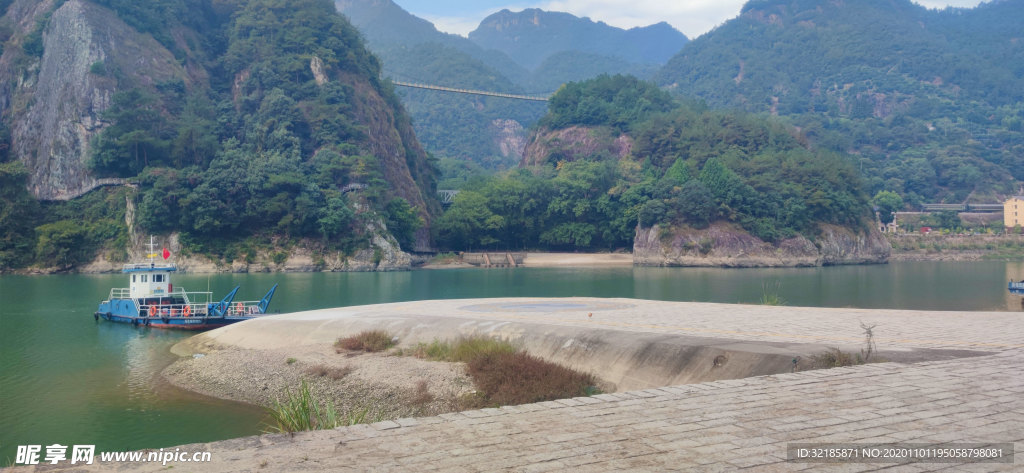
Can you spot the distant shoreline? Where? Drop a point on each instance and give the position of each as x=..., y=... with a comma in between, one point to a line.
x=578, y=260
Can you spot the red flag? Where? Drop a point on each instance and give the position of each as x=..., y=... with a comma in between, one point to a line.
x=166, y=254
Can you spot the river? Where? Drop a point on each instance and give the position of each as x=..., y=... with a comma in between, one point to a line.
x=67, y=379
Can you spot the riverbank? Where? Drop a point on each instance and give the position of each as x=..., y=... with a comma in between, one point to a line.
x=938, y=247
x=534, y=259
x=381, y=385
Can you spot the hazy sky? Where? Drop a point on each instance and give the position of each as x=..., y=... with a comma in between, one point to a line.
x=692, y=17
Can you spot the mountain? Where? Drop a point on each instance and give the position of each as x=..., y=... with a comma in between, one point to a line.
x=931, y=100
x=619, y=163
x=532, y=35
x=479, y=129
x=240, y=124
x=485, y=130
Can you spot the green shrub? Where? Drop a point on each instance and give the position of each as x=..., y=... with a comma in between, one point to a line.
x=835, y=358
x=462, y=350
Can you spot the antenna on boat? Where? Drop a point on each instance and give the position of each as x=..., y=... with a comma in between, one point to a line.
x=152, y=250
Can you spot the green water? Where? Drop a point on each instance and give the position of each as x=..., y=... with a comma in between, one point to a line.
x=67, y=379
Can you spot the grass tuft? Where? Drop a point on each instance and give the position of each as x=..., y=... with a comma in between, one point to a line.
x=333, y=373
x=300, y=411
x=462, y=350
x=770, y=295
x=370, y=341
x=421, y=395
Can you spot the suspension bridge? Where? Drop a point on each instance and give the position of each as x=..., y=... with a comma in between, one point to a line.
x=536, y=98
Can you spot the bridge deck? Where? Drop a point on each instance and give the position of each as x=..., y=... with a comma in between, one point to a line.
x=535, y=98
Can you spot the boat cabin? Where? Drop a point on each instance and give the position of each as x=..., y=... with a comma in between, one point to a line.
x=149, y=280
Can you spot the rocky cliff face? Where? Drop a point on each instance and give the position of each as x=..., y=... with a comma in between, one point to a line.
x=393, y=141
x=55, y=102
x=510, y=137
x=573, y=143
x=726, y=245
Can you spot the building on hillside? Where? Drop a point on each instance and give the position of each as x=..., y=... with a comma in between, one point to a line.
x=1013, y=211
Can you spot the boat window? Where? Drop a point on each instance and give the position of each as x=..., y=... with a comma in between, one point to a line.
x=133, y=278
x=143, y=278
x=158, y=278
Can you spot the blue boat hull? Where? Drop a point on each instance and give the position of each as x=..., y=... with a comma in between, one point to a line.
x=125, y=311
x=181, y=323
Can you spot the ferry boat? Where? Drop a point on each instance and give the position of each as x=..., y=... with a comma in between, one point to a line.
x=1016, y=287
x=151, y=300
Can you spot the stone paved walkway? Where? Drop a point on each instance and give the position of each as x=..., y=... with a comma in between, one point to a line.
x=723, y=426
x=743, y=424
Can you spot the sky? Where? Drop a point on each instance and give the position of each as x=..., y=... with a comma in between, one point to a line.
x=692, y=17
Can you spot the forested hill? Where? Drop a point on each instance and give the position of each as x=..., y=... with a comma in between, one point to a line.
x=930, y=100
x=491, y=131
x=615, y=154
x=238, y=120
x=484, y=130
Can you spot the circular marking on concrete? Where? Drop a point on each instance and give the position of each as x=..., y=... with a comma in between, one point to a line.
x=545, y=306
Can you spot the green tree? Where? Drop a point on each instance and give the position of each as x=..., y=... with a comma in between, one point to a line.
x=18, y=214
x=403, y=221
x=468, y=223
x=888, y=203
x=62, y=243
x=137, y=137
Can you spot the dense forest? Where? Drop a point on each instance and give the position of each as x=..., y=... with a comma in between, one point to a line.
x=930, y=101
x=266, y=149
x=689, y=165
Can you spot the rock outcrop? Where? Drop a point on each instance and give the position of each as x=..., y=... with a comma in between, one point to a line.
x=727, y=245
x=56, y=103
x=573, y=143
x=510, y=136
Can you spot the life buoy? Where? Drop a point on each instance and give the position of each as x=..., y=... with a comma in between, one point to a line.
x=186, y=311
x=152, y=311
x=240, y=308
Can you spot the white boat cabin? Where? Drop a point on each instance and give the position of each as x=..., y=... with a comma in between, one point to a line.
x=150, y=280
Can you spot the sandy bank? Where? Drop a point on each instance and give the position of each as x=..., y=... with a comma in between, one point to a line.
x=387, y=387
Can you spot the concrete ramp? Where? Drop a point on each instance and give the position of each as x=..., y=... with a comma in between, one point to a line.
x=628, y=344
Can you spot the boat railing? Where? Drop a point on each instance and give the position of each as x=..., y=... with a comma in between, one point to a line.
x=200, y=309
x=173, y=310
x=244, y=308
x=160, y=266
x=119, y=293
